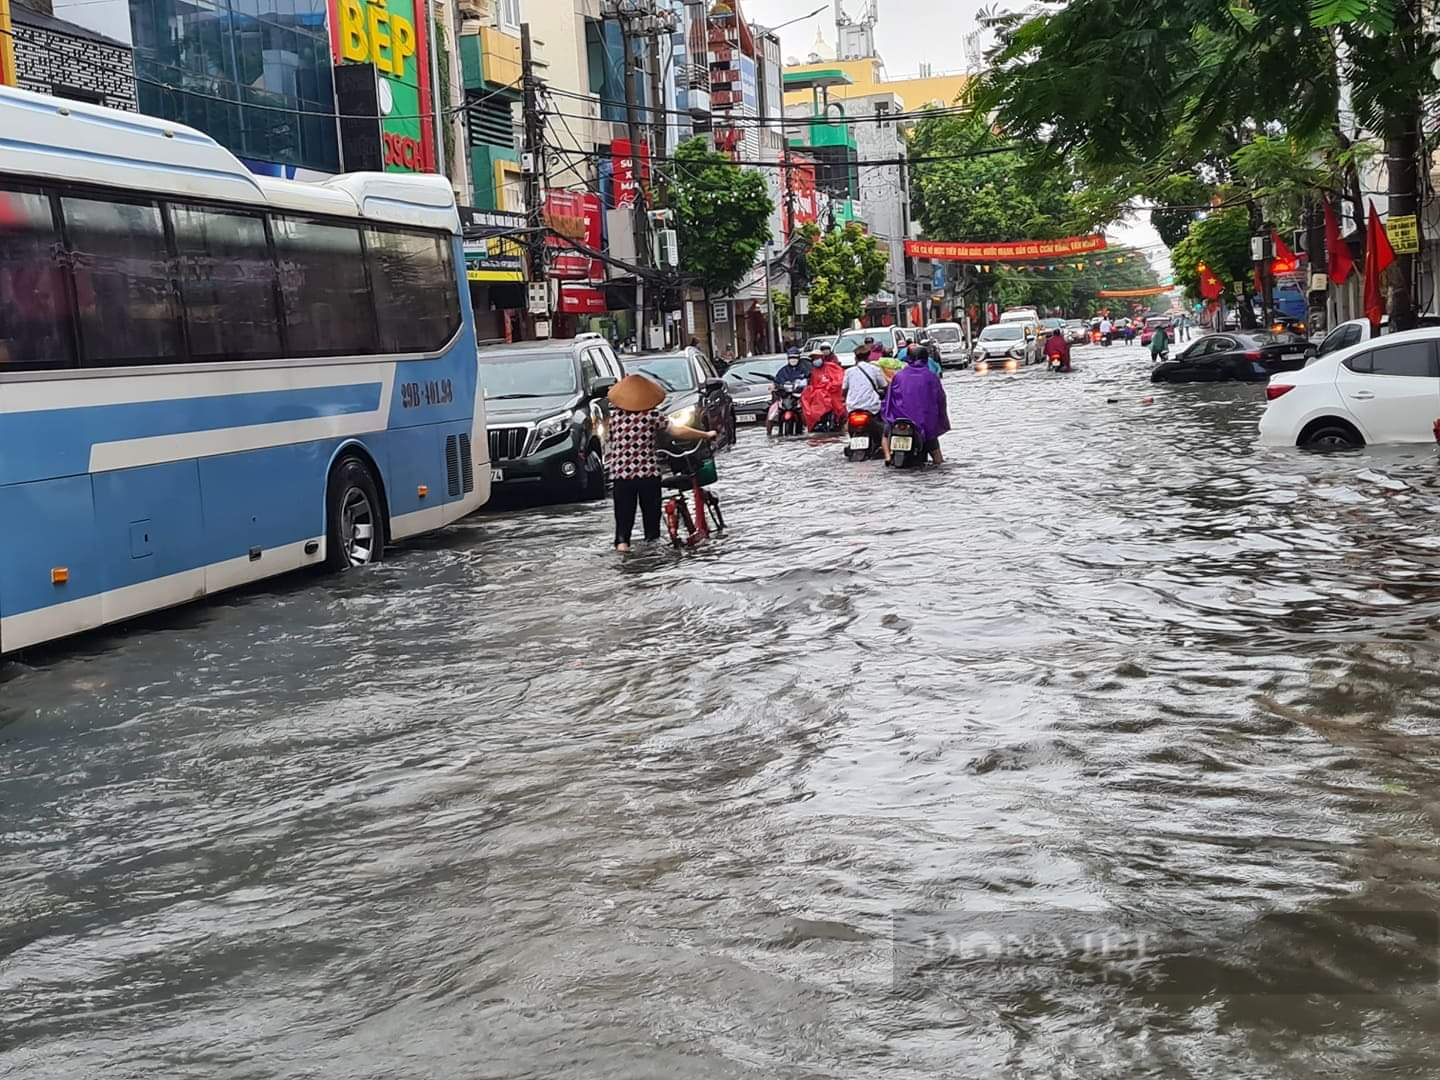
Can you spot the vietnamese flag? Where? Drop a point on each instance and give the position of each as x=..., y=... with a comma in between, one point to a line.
x=1378, y=257
x=1210, y=287
x=1341, y=263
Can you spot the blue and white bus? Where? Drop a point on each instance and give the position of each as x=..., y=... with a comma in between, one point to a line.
x=209, y=377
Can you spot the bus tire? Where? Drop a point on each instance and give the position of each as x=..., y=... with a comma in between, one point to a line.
x=354, y=516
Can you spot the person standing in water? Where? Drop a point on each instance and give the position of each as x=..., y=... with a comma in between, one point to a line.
x=632, y=458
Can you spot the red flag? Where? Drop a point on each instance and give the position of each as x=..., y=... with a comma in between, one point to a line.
x=1378, y=257
x=1285, y=260
x=1210, y=287
x=1341, y=264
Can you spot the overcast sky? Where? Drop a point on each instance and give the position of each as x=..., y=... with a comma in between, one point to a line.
x=909, y=34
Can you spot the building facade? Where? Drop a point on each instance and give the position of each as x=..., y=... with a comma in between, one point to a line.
x=55, y=56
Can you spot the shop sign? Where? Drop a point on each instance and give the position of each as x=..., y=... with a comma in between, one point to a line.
x=394, y=36
x=582, y=300
x=1404, y=233
x=625, y=175
x=493, y=248
x=578, y=216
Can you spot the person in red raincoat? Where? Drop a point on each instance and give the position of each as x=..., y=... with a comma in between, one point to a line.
x=825, y=394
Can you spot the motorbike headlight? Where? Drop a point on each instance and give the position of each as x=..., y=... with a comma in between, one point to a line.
x=552, y=426
x=684, y=416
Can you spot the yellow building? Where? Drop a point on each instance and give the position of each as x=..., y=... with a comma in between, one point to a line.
x=868, y=77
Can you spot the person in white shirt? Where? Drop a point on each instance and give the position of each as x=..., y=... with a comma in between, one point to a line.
x=1106, y=329
x=864, y=383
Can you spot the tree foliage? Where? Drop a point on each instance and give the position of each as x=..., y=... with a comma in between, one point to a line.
x=1221, y=242
x=845, y=266
x=993, y=195
x=1072, y=292
x=722, y=216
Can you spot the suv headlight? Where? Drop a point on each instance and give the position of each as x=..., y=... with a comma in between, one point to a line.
x=684, y=416
x=552, y=426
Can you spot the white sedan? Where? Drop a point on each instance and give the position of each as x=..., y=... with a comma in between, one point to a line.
x=1386, y=390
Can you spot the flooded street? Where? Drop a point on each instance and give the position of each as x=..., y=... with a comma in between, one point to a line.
x=509, y=806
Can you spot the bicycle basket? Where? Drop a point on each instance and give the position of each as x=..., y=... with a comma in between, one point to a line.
x=699, y=464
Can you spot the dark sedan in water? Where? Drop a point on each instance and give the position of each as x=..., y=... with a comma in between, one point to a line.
x=751, y=382
x=1233, y=357
x=695, y=394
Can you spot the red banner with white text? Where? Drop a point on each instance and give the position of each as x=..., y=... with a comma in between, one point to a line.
x=1018, y=251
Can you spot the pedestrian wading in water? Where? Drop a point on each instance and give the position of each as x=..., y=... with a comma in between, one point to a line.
x=632, y=458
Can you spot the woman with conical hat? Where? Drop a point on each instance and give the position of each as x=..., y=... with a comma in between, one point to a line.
x=631, y=457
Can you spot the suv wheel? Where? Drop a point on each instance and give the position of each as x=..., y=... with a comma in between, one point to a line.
x=592, y=483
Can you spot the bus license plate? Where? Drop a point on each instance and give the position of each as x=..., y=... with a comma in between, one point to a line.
x=860, y=442
x=900, y=442
x=497, y=475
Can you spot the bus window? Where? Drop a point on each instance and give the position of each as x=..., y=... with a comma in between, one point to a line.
x=125, y=305
x=322, y=279
x=34, y=310
x=417, y=302
x=227, y=283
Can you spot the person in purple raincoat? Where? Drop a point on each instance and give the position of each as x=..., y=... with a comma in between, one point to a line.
x=917, y=395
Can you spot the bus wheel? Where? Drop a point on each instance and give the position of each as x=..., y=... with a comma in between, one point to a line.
x=355, y=525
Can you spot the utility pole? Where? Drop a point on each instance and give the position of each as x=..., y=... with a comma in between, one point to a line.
x=789, y=219
x=660, y=119
x=533, y=159
x=632, y=124
x=772, y=338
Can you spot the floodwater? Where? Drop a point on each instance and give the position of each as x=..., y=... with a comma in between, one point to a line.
x=1107, y=750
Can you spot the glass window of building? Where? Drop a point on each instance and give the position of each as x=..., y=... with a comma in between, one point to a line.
x=255, y=75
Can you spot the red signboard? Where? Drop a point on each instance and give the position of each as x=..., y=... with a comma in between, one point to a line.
x=1019, y=251
x=803, y=200
x=624, y=173
x=578, y=216
x=582, y=300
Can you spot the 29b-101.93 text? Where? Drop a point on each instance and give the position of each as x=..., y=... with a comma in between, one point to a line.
x=414, y=394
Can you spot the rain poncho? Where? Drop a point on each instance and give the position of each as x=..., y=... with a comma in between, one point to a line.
x=917, y=395
x=825, y=394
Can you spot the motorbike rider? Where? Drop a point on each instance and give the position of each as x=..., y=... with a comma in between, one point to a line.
x=1107, y=329
x=795, y=370
x=824, y=395
x=864, y=386
x=916, y=394
x=1057, y=348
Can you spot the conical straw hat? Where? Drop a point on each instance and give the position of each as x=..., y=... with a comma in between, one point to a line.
x=636, y=393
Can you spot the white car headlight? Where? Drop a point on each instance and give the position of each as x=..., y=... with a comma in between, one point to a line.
x=684, y=416
x=552, y=426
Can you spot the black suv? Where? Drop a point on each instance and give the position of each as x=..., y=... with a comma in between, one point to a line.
x=545, y=409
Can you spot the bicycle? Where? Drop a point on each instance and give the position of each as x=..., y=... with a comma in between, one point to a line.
x=694, y=470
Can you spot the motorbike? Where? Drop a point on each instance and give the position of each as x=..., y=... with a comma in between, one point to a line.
x=792, y=419
x=864, y=431
x=907, y=449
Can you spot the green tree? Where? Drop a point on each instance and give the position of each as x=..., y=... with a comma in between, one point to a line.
x=993, y=195
x=1154, y=90
x=722, y=217
x=781, y=302
x=1220, y=242
x=845, y=266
